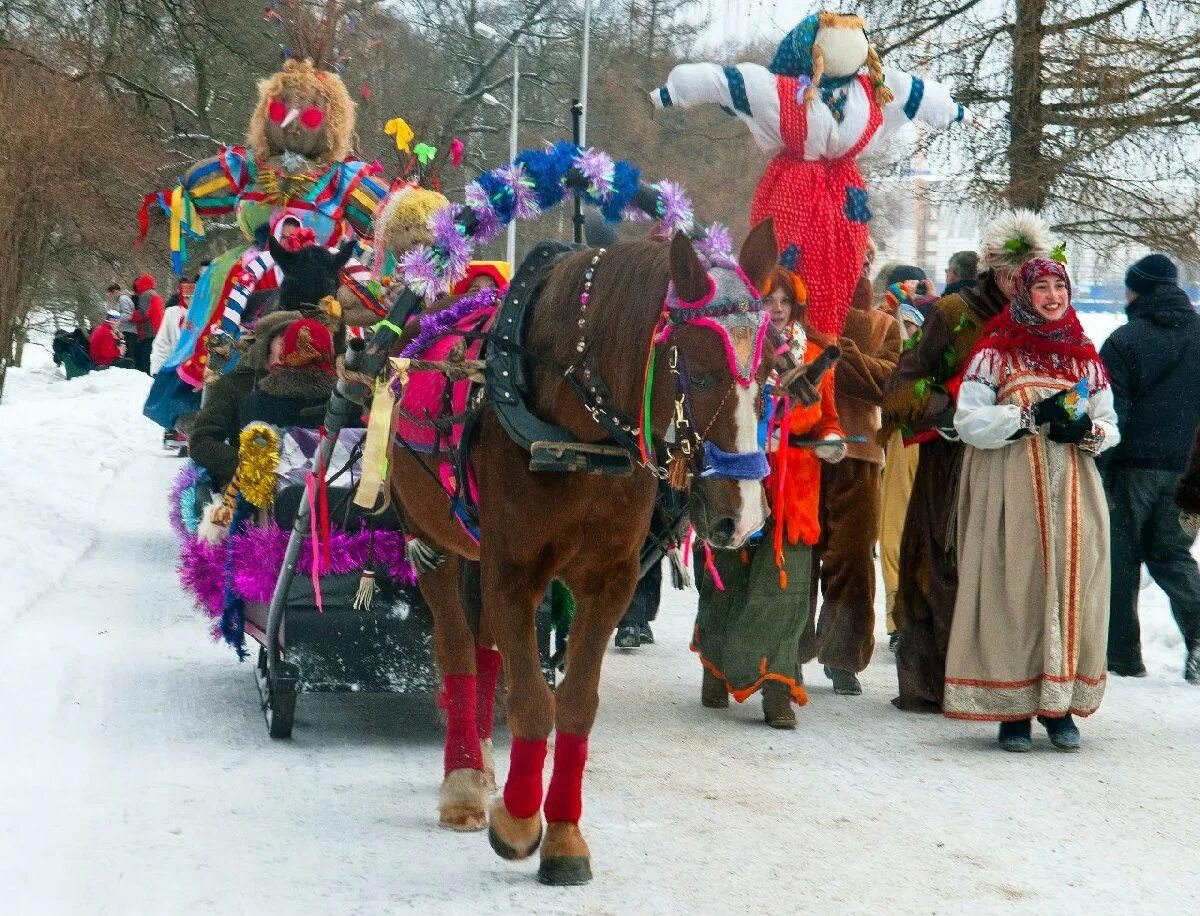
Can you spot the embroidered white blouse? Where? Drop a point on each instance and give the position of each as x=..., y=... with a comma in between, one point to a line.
x=983, y=423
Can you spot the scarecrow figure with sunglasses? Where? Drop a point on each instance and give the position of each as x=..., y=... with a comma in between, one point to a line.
x=294, y=181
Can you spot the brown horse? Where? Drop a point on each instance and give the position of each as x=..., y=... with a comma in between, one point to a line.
x=599, y=312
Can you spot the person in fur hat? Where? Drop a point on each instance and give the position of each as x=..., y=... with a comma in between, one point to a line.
x=214, y=437
x=299, y=379
x=844, y=564
x=754, y=601
x=919, y=404
x=825, y=100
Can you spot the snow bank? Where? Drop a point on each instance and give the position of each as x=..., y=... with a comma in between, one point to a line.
x=61, y=443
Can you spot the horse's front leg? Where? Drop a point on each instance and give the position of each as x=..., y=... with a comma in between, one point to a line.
x=511, y=594
x=463, y=797
x=603, y=590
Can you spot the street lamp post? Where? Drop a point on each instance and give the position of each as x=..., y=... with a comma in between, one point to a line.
x=583, y=70
x=514, y=114
x=511, y=248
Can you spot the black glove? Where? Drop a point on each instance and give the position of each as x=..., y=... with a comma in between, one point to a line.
x=945, y=424
x=1071, y=432
x=1052, y=410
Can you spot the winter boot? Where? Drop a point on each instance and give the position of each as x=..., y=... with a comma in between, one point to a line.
x=627, y=637
x=1134, y=668
x=845, y=682
x=1063, y=732
x=1191, y=668
x=777, y=705
x=712, y=692
x=1016, y=737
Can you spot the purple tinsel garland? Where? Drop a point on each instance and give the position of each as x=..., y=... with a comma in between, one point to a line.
x=716, y=245
x=524, y=205
x=202, y=572
x=421, y=272
x=599, y=170
x=451, y=244
x=675, y=208
x=487, y=221
x=437, y=324
x=520, y=190
x=258, y=556
x=184, y=480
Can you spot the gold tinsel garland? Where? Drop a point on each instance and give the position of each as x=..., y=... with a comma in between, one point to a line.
x=258, y=457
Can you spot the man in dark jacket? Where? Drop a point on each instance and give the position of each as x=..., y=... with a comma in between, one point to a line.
x=213, y=441
x=1154, y=364
x=962, y=272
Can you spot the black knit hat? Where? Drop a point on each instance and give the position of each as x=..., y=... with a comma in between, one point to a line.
x=1151, y=271
x=905, y=272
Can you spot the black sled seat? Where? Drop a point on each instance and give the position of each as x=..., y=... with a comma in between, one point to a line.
x=385, y=647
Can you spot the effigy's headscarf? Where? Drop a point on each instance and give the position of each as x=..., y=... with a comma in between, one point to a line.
x=1051, y=346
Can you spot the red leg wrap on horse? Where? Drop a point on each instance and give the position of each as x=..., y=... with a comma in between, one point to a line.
x=523, y=788
x=564, y=799
x=487, y=673
x=462, y=740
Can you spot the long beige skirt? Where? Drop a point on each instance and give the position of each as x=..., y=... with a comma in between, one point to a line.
x=1031, y=620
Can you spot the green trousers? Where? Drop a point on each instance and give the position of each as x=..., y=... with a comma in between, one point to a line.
x=750, y=632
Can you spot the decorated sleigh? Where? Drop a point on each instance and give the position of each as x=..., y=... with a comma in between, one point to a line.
x=349, y=617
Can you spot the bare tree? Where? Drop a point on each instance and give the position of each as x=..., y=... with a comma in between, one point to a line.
x=65, y=182
x=1091, y=108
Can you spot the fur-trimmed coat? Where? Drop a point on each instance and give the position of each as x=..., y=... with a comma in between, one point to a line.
x=214, y=437
x=917, y=395
x=290, y=397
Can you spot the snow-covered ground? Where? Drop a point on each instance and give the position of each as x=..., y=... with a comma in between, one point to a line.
x=139, y=778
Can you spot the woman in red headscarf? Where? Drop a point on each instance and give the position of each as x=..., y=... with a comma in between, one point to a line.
x=1029, y=636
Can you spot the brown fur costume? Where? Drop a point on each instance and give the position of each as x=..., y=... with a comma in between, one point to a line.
x=850, y=493
x=914, y=401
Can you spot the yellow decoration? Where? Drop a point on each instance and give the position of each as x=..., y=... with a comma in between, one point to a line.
x=380, y=426
x=258, y=456
x=332, y=308
x=403, y=134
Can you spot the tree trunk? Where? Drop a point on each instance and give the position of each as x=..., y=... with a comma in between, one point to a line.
x=1027, y=167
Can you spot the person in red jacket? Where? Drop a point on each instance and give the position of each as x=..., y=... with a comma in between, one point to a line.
x=148, y=316
x=106, y=346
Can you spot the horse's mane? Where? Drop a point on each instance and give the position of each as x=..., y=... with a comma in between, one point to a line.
x=626, y=300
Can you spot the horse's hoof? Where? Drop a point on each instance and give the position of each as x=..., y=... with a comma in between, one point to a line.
x=566, y=859
x=513, y=838
x=461, y=801
x=489, y=764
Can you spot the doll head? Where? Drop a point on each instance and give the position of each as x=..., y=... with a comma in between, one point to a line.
x=302, y=111
x=830, y=49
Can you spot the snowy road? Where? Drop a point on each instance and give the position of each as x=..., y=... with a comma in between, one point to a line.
x=138, y=777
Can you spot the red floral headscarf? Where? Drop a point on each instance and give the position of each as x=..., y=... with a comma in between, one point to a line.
x=1051, y=345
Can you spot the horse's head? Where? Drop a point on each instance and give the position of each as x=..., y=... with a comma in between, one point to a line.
x=309, y=274
x=717, y=332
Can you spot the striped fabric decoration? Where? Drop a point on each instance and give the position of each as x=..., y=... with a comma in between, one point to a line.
x=737, y=90
x=915, y=94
